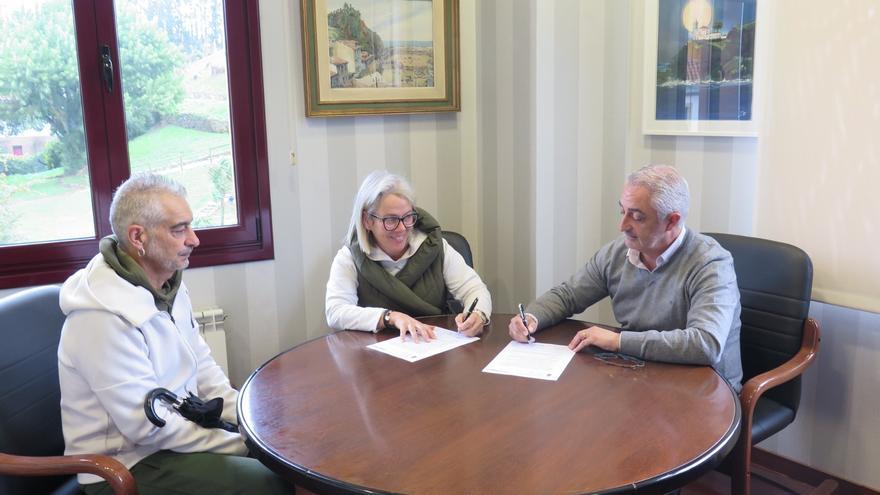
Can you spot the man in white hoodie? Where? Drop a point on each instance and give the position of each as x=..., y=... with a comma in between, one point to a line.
x=129, y=330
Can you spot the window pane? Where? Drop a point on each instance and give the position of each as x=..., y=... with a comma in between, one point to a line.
x=73, y=205
x=44, y=182
x=174, y=79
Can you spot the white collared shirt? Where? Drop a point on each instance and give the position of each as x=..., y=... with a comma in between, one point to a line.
x=634, y=255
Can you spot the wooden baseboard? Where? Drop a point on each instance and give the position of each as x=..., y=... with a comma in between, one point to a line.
x=805, y=474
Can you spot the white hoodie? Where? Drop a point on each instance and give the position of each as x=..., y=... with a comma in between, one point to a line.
x=115, y=348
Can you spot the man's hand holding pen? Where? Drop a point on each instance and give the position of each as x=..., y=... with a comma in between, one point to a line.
x=470, y=323
x=522, y=326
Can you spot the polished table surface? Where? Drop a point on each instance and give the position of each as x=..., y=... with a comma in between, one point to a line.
x=336, y=417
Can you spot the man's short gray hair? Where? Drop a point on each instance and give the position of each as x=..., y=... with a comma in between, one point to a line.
x=135, y=202
x=669, y=190
x=375, y=186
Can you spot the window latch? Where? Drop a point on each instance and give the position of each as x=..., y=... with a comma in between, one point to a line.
x=106, y=68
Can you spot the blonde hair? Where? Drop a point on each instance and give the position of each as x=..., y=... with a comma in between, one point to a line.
x=375, y=186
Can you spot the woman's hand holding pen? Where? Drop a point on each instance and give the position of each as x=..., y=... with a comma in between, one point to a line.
x=409, y=325
x=469, y=323
x=469, y=326
x=517, y=329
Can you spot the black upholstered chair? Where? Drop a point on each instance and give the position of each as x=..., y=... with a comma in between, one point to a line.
x=460, y=244
x=31, y=442
x=778, y=341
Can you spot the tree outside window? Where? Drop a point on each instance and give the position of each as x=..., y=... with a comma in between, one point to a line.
x=172, y=64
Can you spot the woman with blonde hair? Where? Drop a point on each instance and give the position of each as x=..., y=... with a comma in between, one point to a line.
x=395, y=266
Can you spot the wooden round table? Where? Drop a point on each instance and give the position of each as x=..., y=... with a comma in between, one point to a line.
x=336, y=417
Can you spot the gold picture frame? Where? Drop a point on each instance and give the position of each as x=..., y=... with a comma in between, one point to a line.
x=373, y=57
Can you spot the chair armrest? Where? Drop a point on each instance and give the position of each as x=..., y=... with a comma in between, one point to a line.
x=113, y=471
x=753, y=389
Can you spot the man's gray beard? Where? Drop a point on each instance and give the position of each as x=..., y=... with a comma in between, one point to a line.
x=169, y=265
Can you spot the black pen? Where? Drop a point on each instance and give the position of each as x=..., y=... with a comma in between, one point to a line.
x=471, y=309
x=522, y=314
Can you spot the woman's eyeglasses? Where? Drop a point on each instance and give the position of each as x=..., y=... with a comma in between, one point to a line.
x=391, y=222
x=617, y=359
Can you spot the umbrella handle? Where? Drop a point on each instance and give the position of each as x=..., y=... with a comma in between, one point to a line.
x=163, y=394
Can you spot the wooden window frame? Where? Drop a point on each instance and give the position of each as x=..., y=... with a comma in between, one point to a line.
x=107, y=149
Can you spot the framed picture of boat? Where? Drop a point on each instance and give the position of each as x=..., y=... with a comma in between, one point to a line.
x=380, y=56
x=699, y=67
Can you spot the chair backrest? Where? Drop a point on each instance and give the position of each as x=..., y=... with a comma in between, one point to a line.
x=775, y=281
x=30, y=410
x=460, y=244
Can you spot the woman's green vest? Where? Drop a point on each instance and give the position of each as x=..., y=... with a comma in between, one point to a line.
x=418, y=289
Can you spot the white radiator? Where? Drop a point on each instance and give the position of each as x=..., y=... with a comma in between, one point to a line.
x=211, y=325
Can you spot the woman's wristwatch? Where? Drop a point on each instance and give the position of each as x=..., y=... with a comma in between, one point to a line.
x=483, y=317
x=386, y=318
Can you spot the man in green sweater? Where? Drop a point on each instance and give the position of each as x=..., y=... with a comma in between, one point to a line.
x=672, y=290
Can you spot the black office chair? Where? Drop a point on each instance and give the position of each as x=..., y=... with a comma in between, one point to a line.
x=460, y=244
x=778, y=341
x=31, y=442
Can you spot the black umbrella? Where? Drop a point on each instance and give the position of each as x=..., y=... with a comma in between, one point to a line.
x=206, y=414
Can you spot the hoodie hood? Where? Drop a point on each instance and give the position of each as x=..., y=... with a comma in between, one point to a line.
x=129, y=269
x=99, y=287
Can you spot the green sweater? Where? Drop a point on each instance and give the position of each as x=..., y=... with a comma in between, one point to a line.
x=687, y=311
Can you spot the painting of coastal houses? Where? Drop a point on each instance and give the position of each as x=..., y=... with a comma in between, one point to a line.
x=380, y=43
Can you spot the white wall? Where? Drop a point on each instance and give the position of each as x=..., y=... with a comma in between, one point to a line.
x=820, y=128
x=838, y=423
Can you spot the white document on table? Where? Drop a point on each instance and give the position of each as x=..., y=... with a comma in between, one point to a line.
x=408, y=350
x=536, y=360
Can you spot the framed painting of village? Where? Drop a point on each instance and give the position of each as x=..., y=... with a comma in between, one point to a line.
x=699, y=67
x=363, y=57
